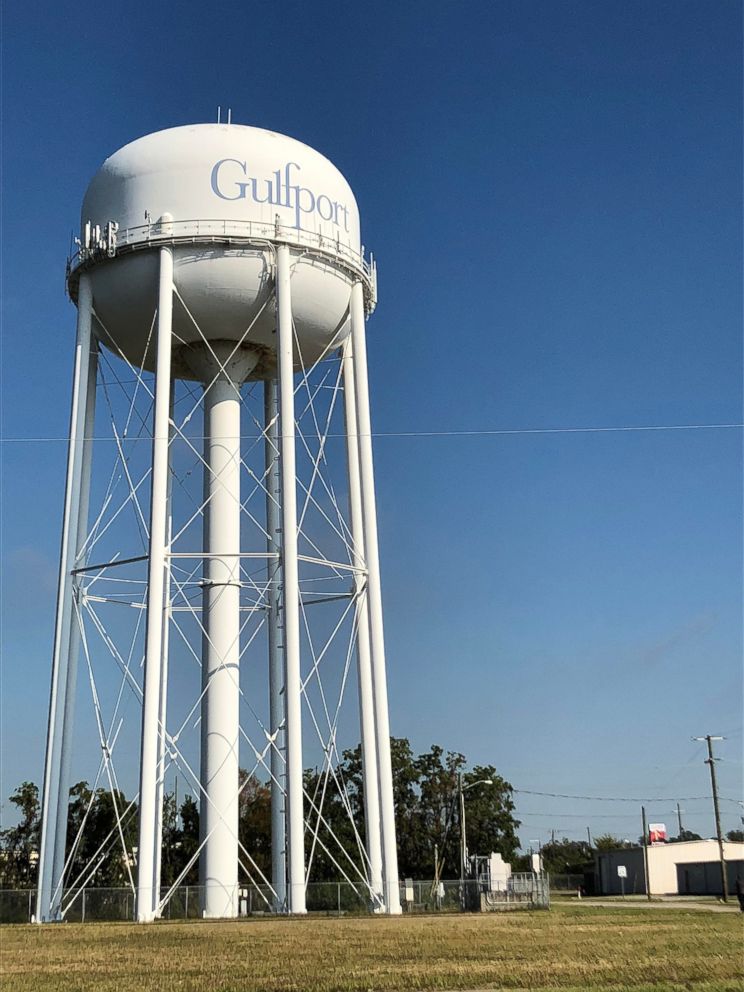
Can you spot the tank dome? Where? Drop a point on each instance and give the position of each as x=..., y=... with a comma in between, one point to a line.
x=221, y=196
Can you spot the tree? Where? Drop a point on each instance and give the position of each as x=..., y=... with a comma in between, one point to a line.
x=189, y=839
x=426, y=811
x=608, y=842
x=254, y=824
x=101, y=837
x=20, y=844
x=685, y=835
x=102, y=825
x=735, y=835
x=567, y=857
x=489, y=814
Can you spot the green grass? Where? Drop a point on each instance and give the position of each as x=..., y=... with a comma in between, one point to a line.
x=567, y=948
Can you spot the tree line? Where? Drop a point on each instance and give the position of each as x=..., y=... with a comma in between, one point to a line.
x=425, y=796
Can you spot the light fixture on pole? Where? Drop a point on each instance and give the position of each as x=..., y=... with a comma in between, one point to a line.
x=461, y=790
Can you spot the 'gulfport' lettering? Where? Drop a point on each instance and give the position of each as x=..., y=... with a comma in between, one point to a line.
x=279, y=191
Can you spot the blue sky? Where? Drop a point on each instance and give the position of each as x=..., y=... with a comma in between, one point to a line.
x=553, y=193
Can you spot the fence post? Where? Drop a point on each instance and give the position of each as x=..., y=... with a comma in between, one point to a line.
x=30, y=896
x=186, y=903
x=338, y=897
x=82, y=909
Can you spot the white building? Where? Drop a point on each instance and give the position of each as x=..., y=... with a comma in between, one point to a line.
x=682, y=868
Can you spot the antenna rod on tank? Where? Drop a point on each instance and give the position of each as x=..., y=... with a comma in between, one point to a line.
x=219, y=114
x=229, y=115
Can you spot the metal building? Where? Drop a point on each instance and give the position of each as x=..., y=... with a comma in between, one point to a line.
x=222, y=292
x=681, y=868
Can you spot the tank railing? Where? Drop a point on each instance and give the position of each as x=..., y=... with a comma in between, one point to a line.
x=221, y=228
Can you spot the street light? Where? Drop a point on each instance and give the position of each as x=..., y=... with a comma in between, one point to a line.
x=461, y=790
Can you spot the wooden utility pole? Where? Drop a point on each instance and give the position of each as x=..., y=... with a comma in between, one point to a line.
x=679, y=820
x=463, y=836
x=711, y=762
x=645, y=852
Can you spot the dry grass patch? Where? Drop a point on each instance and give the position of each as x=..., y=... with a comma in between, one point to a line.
x=569, y=949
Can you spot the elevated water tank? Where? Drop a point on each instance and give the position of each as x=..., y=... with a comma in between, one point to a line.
x=223, y=196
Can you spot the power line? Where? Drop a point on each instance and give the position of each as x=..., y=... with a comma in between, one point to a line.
x=464, y=433
x=596, y=816
x=622, y=799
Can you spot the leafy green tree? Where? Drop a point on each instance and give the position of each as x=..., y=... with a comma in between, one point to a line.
x=685, y=835
x=608, y=842
x=435, y=817
x=20, y=844
x=101, y=837
x=734, y=835
x=188, y=840
x=254, y=823
x=333, y=827
x=489, y=814
x=426, y=811
x=566, y=857
x=101, y=847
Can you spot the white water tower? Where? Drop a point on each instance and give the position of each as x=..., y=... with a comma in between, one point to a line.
x=222, y=292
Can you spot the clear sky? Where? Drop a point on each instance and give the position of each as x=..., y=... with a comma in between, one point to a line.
x=553, y=193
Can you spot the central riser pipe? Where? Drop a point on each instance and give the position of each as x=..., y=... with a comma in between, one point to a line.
x=221, y=650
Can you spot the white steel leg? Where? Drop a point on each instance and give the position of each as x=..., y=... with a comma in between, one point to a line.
x=364, y=670
x=374, y=597
x=52, y=799
x=74, y=649
x=290, y=577
x=220, y=662
x=147, y=884
x=163, y=706
x=276, y=664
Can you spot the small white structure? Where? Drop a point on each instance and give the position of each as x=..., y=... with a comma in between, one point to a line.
x=680, y=868
x=499, y=872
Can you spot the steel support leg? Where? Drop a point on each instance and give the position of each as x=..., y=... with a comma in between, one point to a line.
x=54, y=796
x=276, y=663
x=74, y=649
x=163, y=706
x=364, y=669
x=374, y=596
x=147, y=884
x=291, y=594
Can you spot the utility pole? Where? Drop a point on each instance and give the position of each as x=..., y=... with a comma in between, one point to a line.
x=461, y=790
x=589, y=836
x=679, y=820
x=463, y=840
x=645, y=852
x=711, y=762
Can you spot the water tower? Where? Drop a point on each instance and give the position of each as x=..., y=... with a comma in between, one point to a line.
x=219, y=506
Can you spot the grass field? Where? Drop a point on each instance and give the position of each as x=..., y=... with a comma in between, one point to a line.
x=567, y=948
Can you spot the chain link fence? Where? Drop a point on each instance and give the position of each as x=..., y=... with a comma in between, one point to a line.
x=567, y=883
x=92, y=904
